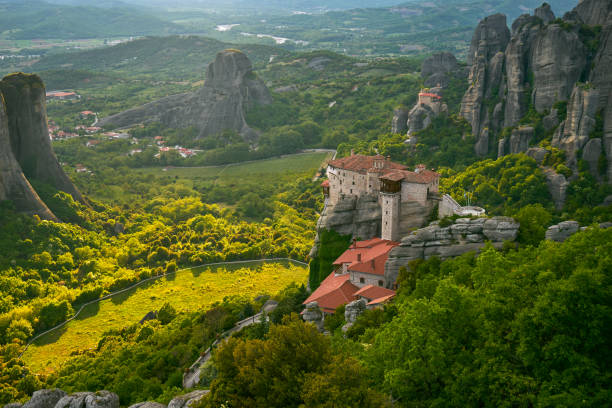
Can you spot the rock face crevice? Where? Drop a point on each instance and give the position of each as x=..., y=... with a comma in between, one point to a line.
x=25, y=146
x=231, y=88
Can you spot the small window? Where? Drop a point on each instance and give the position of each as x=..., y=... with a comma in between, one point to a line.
x=351, y=191
x=361, y=280
x=380, y=283
x=353, y=183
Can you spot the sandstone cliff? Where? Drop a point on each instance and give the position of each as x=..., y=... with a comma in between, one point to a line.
x=541, y=62
x=231, y=88
x=25, y=147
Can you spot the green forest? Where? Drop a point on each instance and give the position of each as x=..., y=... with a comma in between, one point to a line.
x=211, y=238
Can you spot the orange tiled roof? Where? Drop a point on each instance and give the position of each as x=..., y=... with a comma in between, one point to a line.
x=325, y=183
x=361, y=163
x=423, y=177
x=372, y=292
x=381, y=300
x=334, y=291
x=367, y=256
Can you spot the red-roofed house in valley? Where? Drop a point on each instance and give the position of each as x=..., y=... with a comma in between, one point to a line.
x=406, y=197
x=359, y=272
x=61, y=95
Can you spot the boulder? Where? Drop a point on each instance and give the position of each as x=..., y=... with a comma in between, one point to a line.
x=148, y=404
x=544, y=13
x=45, y=398
x=231, y=87
x=537, y=153
x=312, y=314
x=562, y=231
x=499, y=229
x=188, y=400
x=356, y=217
x=100, y=399
x=352, y=311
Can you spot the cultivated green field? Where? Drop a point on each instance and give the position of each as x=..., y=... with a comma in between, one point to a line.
x=286, y=167
x=188, y=290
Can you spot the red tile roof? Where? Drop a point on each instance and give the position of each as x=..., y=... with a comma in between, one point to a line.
x=381, y=300
x=361, y=163
x=325, y=183
x=433, y=95
x=422, y=177
x=372, y=292
x=334, y=291
x=367, y=256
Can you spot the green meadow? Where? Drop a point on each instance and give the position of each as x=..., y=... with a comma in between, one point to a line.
x=187, y=290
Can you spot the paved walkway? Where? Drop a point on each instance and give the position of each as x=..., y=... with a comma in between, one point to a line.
x=192, y=377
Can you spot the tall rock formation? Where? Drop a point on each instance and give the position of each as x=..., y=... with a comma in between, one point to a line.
x=25, y=147
x=26, y=109
x=230, y=89
x=486, y=59
x=542, y=62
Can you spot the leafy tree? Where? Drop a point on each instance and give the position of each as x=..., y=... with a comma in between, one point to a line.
x=166, y=314
x=534, y=220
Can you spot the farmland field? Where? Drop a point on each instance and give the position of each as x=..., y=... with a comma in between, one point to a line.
x=286, y=167
x=187, y=290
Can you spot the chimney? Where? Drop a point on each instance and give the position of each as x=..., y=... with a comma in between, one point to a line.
x=354, y=242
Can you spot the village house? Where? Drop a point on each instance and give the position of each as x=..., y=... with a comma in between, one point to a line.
x=61, y=95
x=358, y=273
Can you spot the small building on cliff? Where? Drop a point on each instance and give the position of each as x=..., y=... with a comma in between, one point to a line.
x=406, y=197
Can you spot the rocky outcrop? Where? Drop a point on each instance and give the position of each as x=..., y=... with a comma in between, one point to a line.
x=438, y=69
x=544, y=13
x=230, y=89
x=352, y=311
x=518, y=142
x=557, y=186
x=313, y=314
x=25, y=147
x=100, y=399
x=148, y=404
x=486, y=59
x=358, y=217
x=56, y=398
x=537, y=153
x=594, y=12
x=188, y=400
x=543, y=62
x=591, y=154
x=45, y=398
x=400, y=121
x=464, y=235
x=425, y=110
x=558, y=59
x=573, y=133
x=562, y=231
x=24, y=96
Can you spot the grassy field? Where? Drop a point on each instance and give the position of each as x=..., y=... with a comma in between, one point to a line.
x=188, y=290
x=286, y=167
